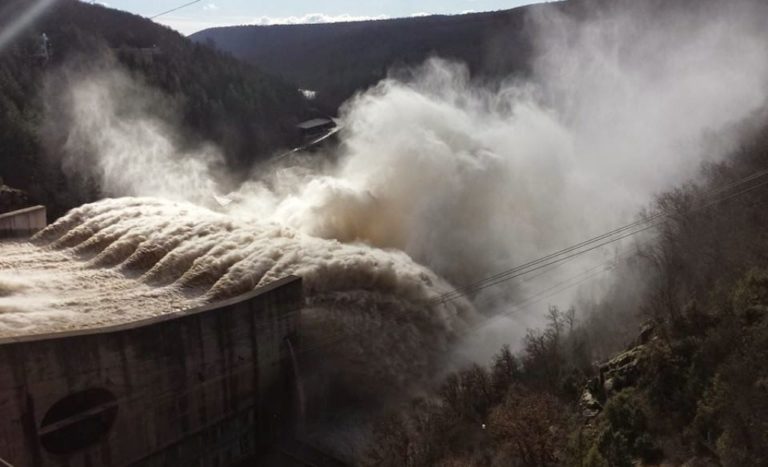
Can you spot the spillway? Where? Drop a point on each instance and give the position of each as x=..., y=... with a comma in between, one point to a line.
x=45, y=290
x=126, y=259
x=131, y=300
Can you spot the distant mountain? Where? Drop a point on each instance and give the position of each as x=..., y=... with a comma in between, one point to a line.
x=340, y=58
x=247, y=112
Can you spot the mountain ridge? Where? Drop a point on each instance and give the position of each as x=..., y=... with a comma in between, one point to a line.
x=211, y=96
x=339, y=59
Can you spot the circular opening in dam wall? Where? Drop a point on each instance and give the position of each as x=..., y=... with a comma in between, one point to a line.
x=78, y=421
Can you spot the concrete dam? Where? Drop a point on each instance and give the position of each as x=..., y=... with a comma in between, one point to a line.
x=210, y=386
x=207, y=386
x=145, y=332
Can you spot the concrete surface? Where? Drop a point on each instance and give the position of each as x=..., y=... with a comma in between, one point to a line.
x=23, y=223
x=206, y=387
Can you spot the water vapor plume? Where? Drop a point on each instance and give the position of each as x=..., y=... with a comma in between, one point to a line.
x=131, y=258
x=651, y=89
x=440, y=179
x=645, y=92
x=124, y=135
x=626, y=99
x=469, y=179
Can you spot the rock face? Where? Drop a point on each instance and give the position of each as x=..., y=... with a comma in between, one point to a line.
x=616, y=374
x=12, y=199
x=620, y=372
x=589, y=405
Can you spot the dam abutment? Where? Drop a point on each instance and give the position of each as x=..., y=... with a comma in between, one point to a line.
x=208, y=386
x=23, y=222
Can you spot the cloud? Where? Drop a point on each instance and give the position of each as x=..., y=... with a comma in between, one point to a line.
x=188, y=25
x=210, y=7
x=315, y=18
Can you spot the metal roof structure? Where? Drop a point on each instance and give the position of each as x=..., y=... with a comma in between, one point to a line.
x=315, y=123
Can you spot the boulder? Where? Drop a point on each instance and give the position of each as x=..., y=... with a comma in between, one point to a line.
x=621, y=371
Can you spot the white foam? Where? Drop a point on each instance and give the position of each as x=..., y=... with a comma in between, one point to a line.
x=121, y=260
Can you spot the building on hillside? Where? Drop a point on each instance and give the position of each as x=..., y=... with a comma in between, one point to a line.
x=22, y=222
x=316, y=127
x=12, y=199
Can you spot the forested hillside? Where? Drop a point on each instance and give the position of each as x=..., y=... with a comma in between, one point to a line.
x=245, y=111
x=338, y=59
x=691, y=389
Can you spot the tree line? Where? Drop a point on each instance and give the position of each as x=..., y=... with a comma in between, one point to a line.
x=670, y=366
x=245, y=111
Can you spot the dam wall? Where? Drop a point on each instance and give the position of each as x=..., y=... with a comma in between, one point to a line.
x=23, y=223
x=205, y=387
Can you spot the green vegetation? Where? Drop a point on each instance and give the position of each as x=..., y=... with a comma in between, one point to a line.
x=692, y=390
x=248, y=113
x=515, y=411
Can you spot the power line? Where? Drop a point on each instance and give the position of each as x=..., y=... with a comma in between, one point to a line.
x=521, y=271
x=588, y=274
x=505, y=274
x=175, y=9
x=556, y=259
x=584, y=276
x=555, y=289
x=593, y=243
x=548, y=292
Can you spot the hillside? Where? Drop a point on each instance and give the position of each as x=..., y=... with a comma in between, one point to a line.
x=689, y=390
x=338, y=59
x=213, y=97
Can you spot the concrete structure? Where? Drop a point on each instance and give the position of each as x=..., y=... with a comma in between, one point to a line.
x=12, y=199
x=206, y=387
x=316, y=127
x=23, y=223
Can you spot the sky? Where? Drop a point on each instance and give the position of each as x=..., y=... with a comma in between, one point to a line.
x=210, y=13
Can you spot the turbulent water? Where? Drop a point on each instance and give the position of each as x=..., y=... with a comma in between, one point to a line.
x=44, y=290
x=125, y=259
x=464, y=177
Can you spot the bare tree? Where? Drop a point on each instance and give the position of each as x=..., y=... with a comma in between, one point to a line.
x=531, y=425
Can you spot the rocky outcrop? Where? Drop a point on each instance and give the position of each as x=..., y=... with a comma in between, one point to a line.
x=589, y=405
x=620, y=372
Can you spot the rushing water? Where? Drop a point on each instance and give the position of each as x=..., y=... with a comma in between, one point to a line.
x=125, y=259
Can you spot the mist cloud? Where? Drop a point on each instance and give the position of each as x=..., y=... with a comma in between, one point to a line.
x=470, y=179
x=315, y=18
x=123, y=133
x=440, y=179
x=625, y=100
